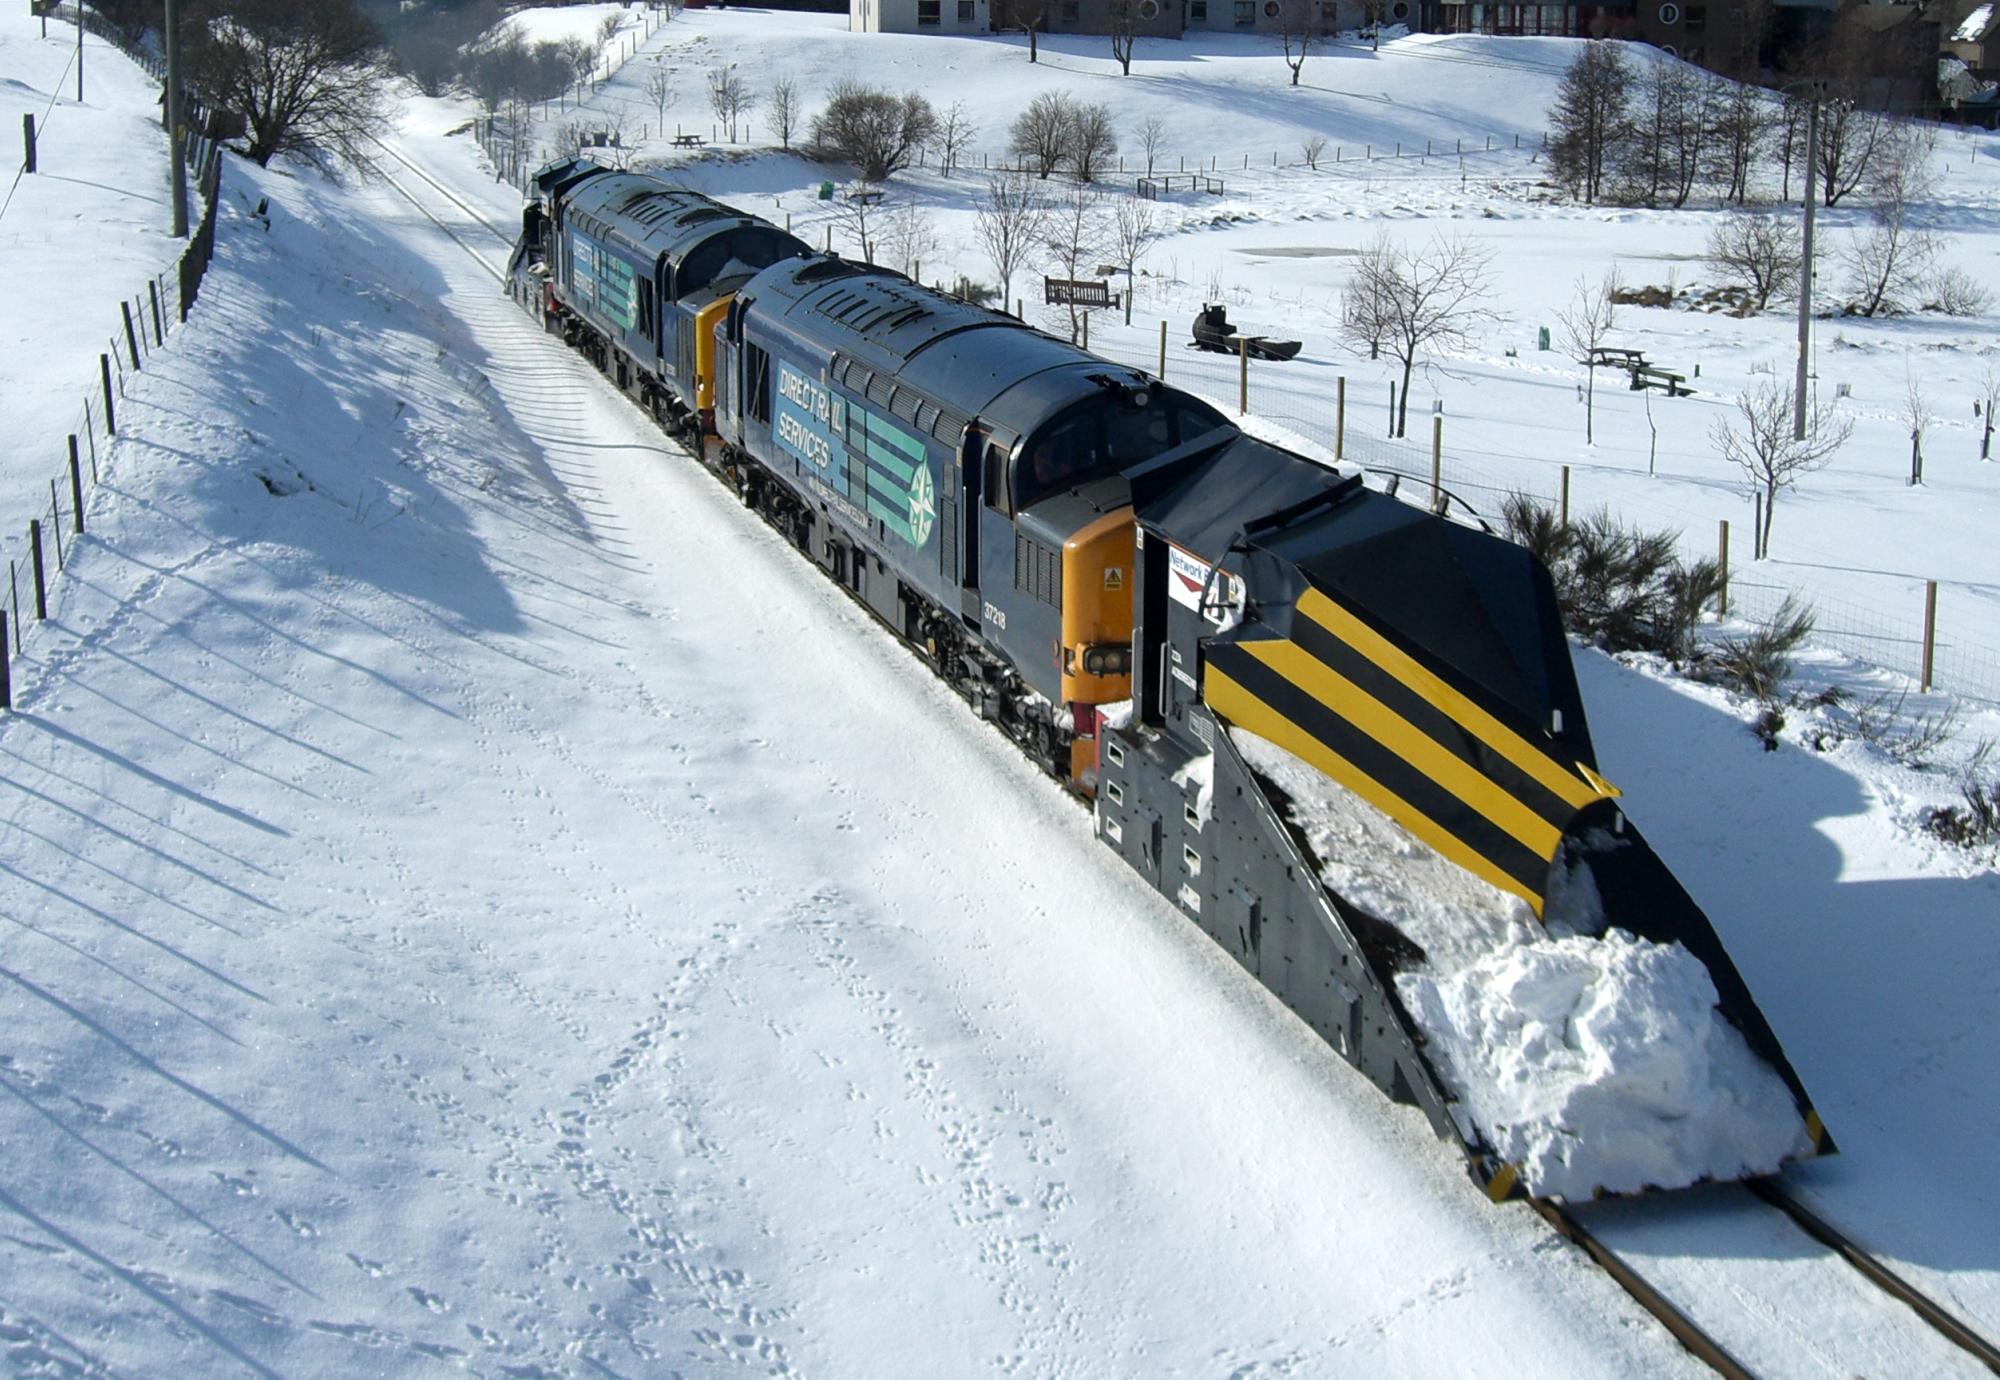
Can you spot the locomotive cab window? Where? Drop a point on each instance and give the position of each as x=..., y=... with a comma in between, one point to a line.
x=1105, y=435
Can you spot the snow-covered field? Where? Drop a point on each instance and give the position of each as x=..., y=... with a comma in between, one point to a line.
x=477, y=903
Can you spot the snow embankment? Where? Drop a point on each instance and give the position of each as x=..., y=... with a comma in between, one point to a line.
x=1591, y=1060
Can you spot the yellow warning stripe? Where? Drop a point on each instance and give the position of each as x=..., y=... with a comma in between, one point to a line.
x=1424, y=753
x=1571, y=788
x=1238, y=705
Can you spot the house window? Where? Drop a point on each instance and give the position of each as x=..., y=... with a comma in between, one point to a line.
x=927, y=12
x=965, y=11
x=1246, y=13
x=1697, y=18
x=1197, y=11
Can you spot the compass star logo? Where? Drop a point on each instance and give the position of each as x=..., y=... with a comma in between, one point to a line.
x=923, y=506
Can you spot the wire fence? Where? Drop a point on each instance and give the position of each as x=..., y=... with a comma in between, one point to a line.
x=145, y=321
x=1437, y=465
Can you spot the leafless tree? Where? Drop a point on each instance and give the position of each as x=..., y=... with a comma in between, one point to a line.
x=308, y=79
x=1953, y=291
x=1889, y=256
x=1373, y=13
x=1417, y=303
x=1586, y=323
x=907, y=237
x=581, y=55
x=1009, y=225
x=1916, y=412
x=1300, y=30
x=1758, y=440
x=660, y=90
x=1039, y=136
x=955, y=132
x=1589, y=119
x=1123, y=26
x=859, y=212
x=730, y=96
x=1029, y=16
x=1759, y=253
x=608, y=27
x=1742, y=128
x=876, y=130
x=1092, y=139
x=1152, y=138
x=1313, y=148
x=786, y=114
x=1135, y=229
x=1073, y=236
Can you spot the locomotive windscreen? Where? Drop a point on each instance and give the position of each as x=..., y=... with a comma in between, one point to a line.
x=1117, y=429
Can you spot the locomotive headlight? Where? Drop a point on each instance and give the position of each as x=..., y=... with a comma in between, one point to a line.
x=1111, y=660
x=1142, y=397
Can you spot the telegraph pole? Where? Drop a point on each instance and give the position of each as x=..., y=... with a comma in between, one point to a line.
x=79, y=54
x=1806, y=266
x=176, y=136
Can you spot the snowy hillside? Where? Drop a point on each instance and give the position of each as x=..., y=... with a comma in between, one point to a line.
x=480, y=905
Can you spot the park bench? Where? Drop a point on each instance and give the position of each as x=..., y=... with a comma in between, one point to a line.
x=1653, y=376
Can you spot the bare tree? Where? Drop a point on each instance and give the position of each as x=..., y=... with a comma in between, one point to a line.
x=1123, y=26
x=878, y=131
x=660, y=90
x=1300, y=30
x=730, y=96
x=955, y=132
x=308, y=79
x=1760, y=254
x=1742, y=128
x=608, y=27
x=1758, y=440
x=1039, y=135
x=1954, y=291
x=1135, y=229
x=786, y=114
x=1917, y=412
x=1073, y=235
x=581, y=55
x=1589, y=119
x=1313, y=148
x=1417, y=303
x=1009, y=225
x=1889, y=255
x=858, y=213
x=1586, y=323
x=908, y=236
x=1029, y=16
x=1152, y=138
x=1092, y=139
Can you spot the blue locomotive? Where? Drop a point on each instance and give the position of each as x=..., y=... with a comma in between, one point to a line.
x=1114, y=574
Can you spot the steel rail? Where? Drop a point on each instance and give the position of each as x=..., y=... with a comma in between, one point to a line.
x=1875, y=1272
x=447, y=193
x=458, y=239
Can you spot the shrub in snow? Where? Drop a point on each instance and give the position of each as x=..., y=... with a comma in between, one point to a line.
x=1758, y=664
x=1624, y=589
x=878, y=131
x=1976, y=821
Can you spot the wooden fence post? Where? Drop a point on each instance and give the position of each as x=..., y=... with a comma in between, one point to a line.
x=159, y=327
x=28, y=139
x=6, y=671
x=131, y=336
x=1437, y=463
x=1930, y=632
x=41, y=577
x=76, y=482
x=55, y=523
x=1163, y=348
x=1722, y=570
x=1564, y=509
x=1392, y=407
x=1086, y=330
x=1243, y=375
x=1339, y=416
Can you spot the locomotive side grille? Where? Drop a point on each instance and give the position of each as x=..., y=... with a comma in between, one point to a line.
x=1037, y=570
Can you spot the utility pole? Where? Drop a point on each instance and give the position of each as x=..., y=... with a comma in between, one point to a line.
x=176, y=136
x=1806, y=266
x=79, y=54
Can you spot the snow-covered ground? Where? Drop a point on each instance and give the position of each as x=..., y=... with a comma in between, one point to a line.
x=478, y=903
x=88, y=228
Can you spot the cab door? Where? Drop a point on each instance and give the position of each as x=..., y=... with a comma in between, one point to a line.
x=959, y=517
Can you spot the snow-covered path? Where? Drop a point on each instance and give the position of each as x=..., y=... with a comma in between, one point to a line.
x=478, y=901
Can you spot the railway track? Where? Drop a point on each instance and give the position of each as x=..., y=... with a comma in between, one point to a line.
x=1783, y=1344
x=1966, y=1349
x=499, y=274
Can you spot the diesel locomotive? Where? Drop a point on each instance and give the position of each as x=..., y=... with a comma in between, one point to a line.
x=1114, y=574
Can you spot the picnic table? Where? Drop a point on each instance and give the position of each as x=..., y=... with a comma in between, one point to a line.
x=689, y=141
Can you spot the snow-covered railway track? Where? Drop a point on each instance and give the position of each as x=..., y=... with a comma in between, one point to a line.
x=505, y=236
x=499, y=275
x=1751, y=1329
